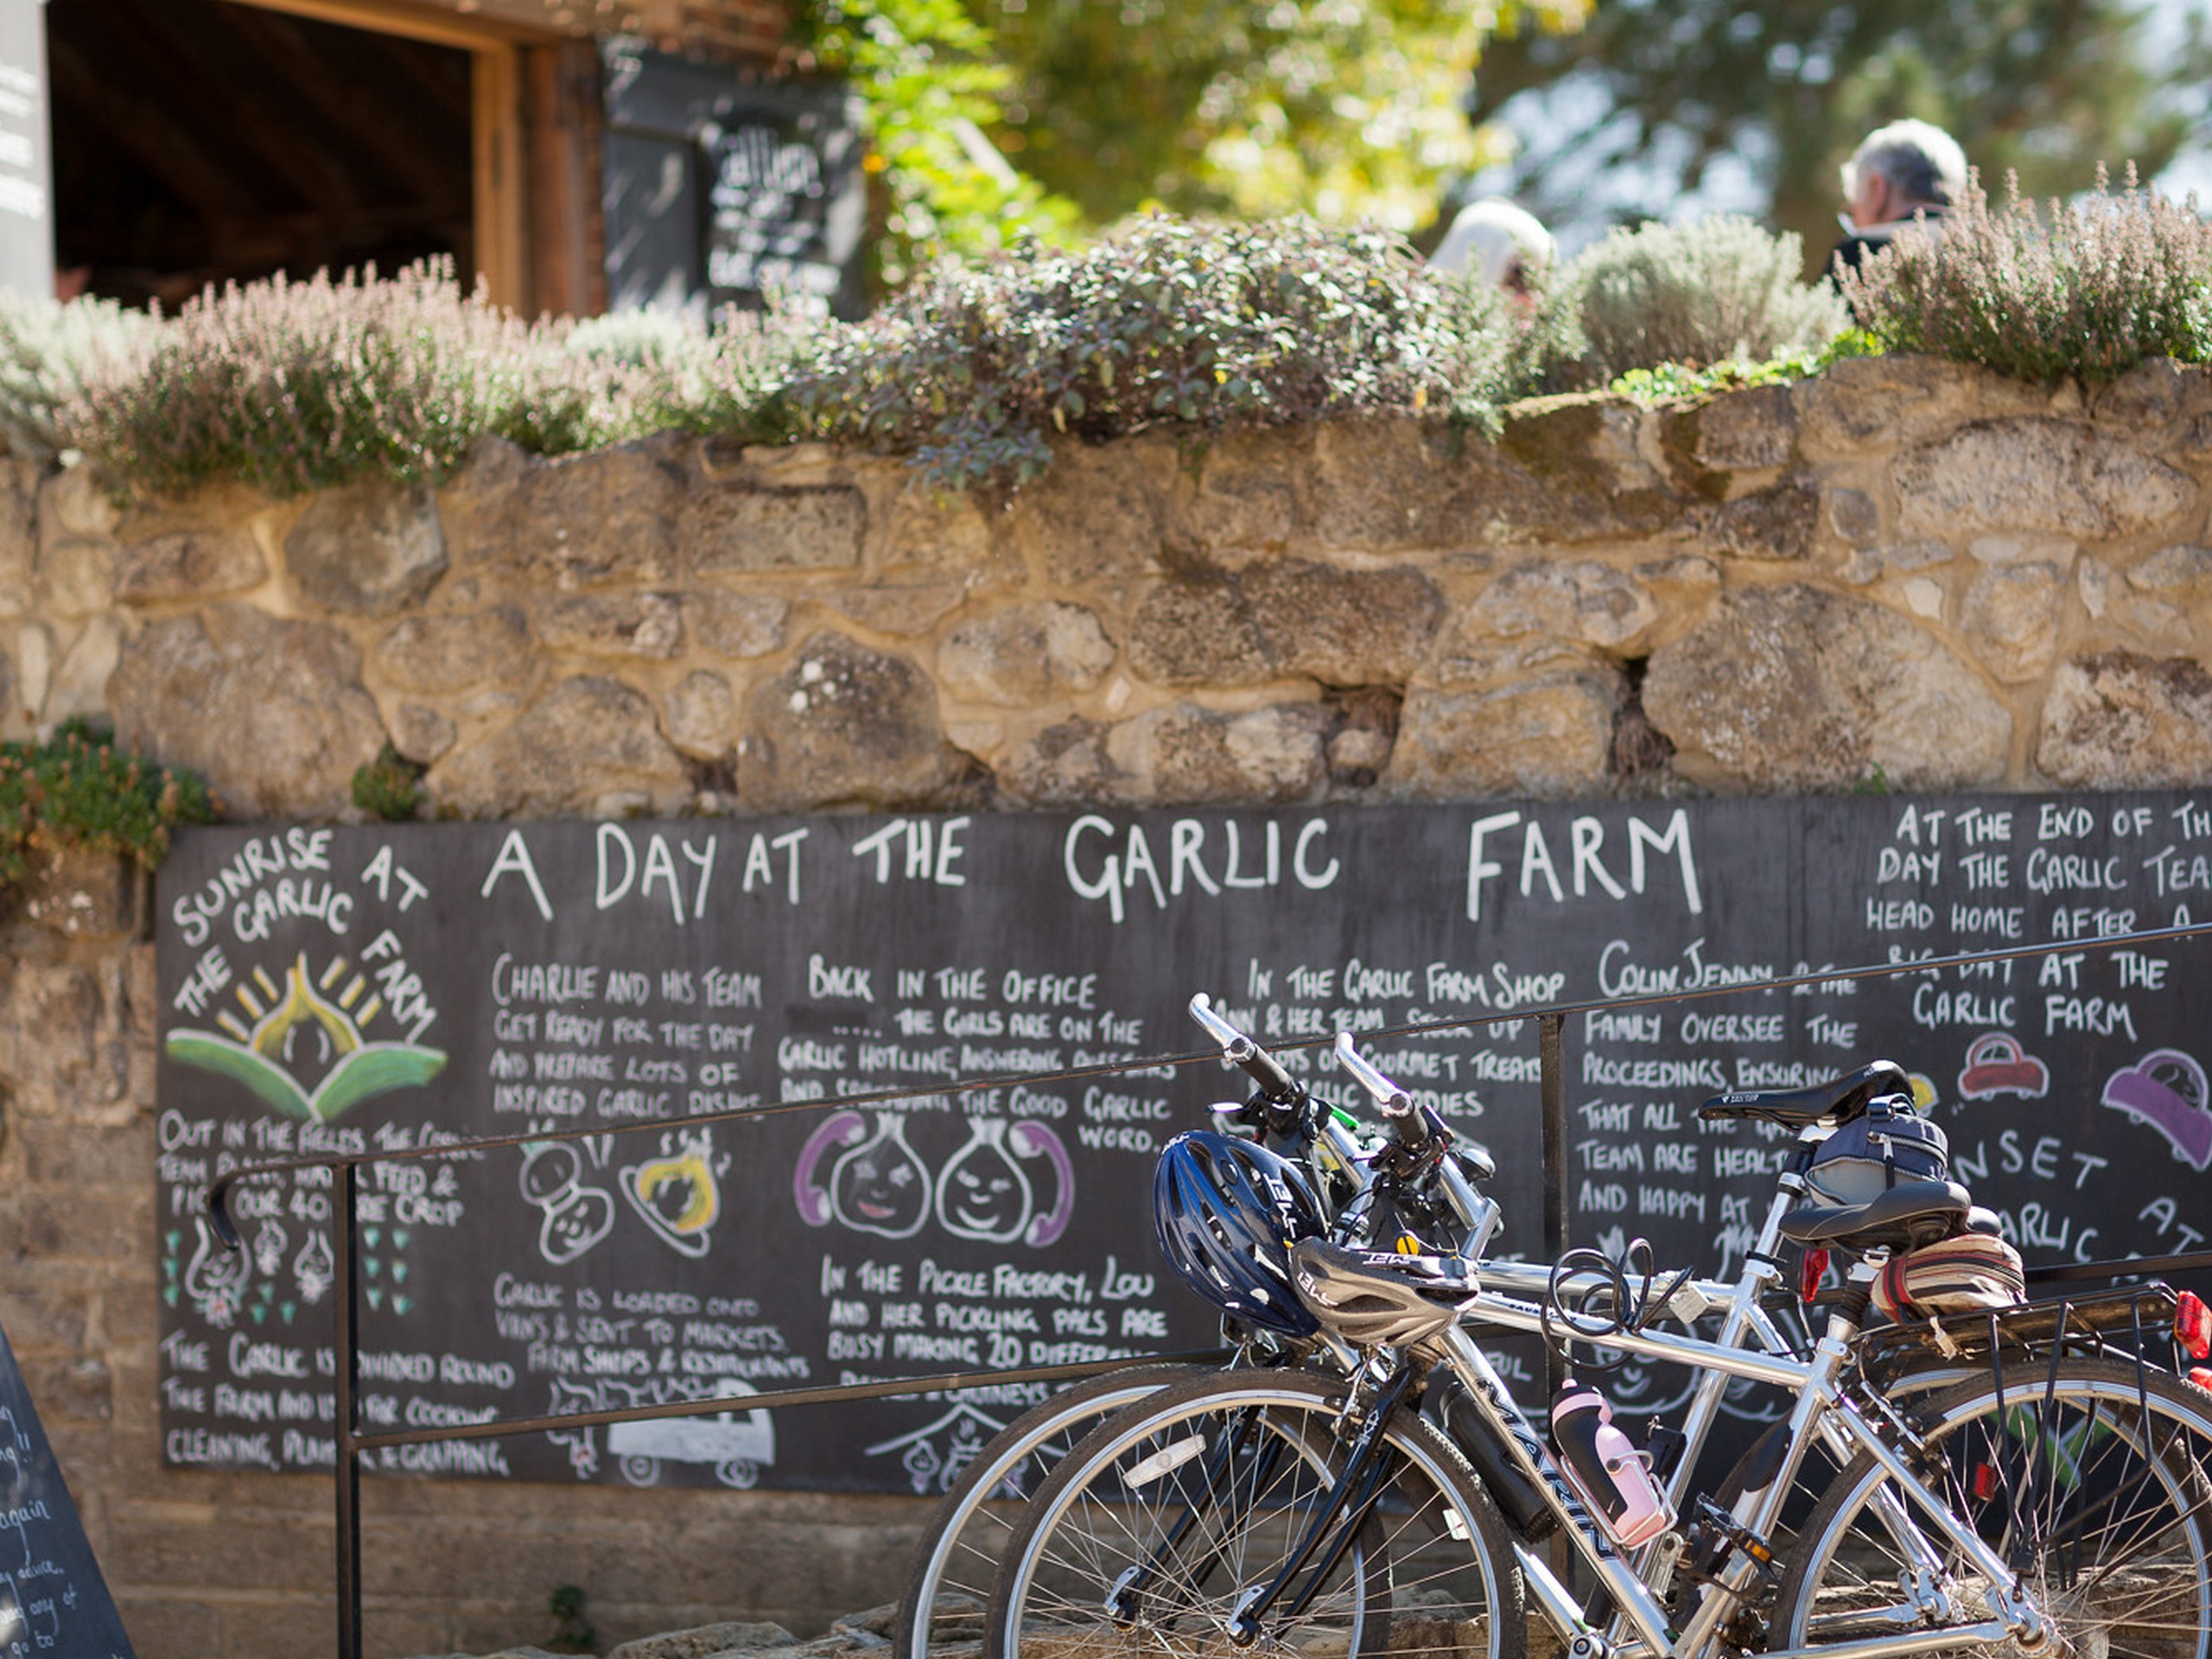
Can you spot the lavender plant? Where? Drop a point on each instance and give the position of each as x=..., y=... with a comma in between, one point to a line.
x=292, y=386
x=2089, y=288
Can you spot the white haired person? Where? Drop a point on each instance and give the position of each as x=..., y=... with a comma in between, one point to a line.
x=1898, y=172
x=1507, y=246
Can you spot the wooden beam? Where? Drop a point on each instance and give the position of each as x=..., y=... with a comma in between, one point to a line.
x=567, y=270
x=500, y=175
x=483, y=27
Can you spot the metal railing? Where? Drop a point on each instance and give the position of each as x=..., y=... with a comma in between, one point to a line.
x=351, y=1443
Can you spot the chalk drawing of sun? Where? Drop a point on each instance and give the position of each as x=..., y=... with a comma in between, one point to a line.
x=305, y=1054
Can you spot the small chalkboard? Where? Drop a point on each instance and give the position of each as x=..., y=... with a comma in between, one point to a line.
x=54, y=1604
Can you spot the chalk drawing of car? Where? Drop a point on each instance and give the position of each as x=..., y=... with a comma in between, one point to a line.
x=2166, y=1089
x=1997, y=1064
x=739, y=1443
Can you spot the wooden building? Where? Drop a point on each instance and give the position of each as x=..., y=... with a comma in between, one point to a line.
x=201, y=141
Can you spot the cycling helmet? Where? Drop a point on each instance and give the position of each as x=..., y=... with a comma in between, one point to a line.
x=1375, y=1298
x=1227, y=1212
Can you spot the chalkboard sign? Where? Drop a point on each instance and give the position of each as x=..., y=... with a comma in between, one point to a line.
x=384, y=986
x=722, y=188
x=53, y=1599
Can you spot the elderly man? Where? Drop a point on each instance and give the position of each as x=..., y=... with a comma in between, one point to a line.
x=1897, y=171
x=1503, y=246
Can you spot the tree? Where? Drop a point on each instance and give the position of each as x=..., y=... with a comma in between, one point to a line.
x=989, y=118
x=930, y=80
x=2048, y=87
x=1343, y=109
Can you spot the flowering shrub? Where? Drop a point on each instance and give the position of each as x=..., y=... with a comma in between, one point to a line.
x=76, y=790
x=1170, y=322
x=1696, y=294
x=2090, y=289
x=46, y=352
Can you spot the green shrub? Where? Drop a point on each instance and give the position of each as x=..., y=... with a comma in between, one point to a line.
x=389, y=787
x=76, y=790
x=2089, y=289
x=45, y=352
x=1720, y=288
x=1169, y=323
x=1670, y=382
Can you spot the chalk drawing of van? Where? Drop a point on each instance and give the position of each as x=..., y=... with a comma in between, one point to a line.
x=738, y=1444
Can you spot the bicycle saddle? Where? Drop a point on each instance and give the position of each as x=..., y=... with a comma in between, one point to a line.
x=1839, y=1100
x=1908, y=1215
x=1375, y=1297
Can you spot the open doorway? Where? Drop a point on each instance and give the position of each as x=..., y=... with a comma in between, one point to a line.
x=198, y=142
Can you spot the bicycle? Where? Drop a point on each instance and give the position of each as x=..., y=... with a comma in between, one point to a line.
x=1150, y=1533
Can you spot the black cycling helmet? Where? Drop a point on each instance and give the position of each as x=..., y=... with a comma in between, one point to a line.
x=1227, y=1212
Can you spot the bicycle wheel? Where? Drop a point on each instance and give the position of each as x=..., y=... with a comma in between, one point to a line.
x=957, y=1559
x=2091, y=1485
x=1157, y=1532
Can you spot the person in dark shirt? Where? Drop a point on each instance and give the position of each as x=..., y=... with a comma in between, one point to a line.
x=1905, y=168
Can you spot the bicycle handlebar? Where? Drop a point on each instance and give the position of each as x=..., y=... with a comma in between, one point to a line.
x=1240, y=1050
x=1394, y=1104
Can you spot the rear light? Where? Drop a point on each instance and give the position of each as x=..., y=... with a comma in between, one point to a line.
x=1814, y=1269
x=2201, y=1376
x=2193, y=1324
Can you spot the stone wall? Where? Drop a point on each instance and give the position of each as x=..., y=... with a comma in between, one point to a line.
x=1904, y=572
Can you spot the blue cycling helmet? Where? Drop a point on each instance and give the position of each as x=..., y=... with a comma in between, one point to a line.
x=1227, y=1212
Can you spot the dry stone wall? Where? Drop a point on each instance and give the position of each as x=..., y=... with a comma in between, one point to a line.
x=1905, y=572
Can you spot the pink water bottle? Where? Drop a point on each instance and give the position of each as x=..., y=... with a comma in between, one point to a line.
x=1608, y=1473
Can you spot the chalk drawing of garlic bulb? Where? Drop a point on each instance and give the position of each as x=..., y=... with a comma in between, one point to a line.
x=314, y=1268
x=215, y=1278
x=985, y=1193
x=879, y=1184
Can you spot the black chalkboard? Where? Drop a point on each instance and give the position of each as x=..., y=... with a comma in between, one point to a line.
x=53, y=1599
x=376, y=987
x=723, y=188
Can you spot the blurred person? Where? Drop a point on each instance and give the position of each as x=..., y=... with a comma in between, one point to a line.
x=1507, y=246
x=1904, y=169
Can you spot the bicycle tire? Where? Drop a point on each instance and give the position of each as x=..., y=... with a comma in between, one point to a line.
x=956, y=1560
x=2089, y=1475
x=1154, y=1532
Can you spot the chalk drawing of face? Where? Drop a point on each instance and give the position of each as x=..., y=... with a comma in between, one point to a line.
x=881, y=1186
x=576, y=1217
x=678, y=1193
x=982, y=1193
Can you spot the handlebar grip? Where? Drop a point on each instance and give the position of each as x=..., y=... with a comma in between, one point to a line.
x=1246, y=1055
x=1395, y=1102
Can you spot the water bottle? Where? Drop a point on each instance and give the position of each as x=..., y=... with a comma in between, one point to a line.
x=1613, y=1478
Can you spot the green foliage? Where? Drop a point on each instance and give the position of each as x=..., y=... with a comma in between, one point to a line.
x=931, y=79
x=1348, y=112
x=2046, y=87
x=1676, y=382
x=76, y=790
x=572, y=1632
x=389, y=787
x=1170, y=323
x=47, y=351
x=1694, y=295
x=2090, y=289
x=294, y=386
